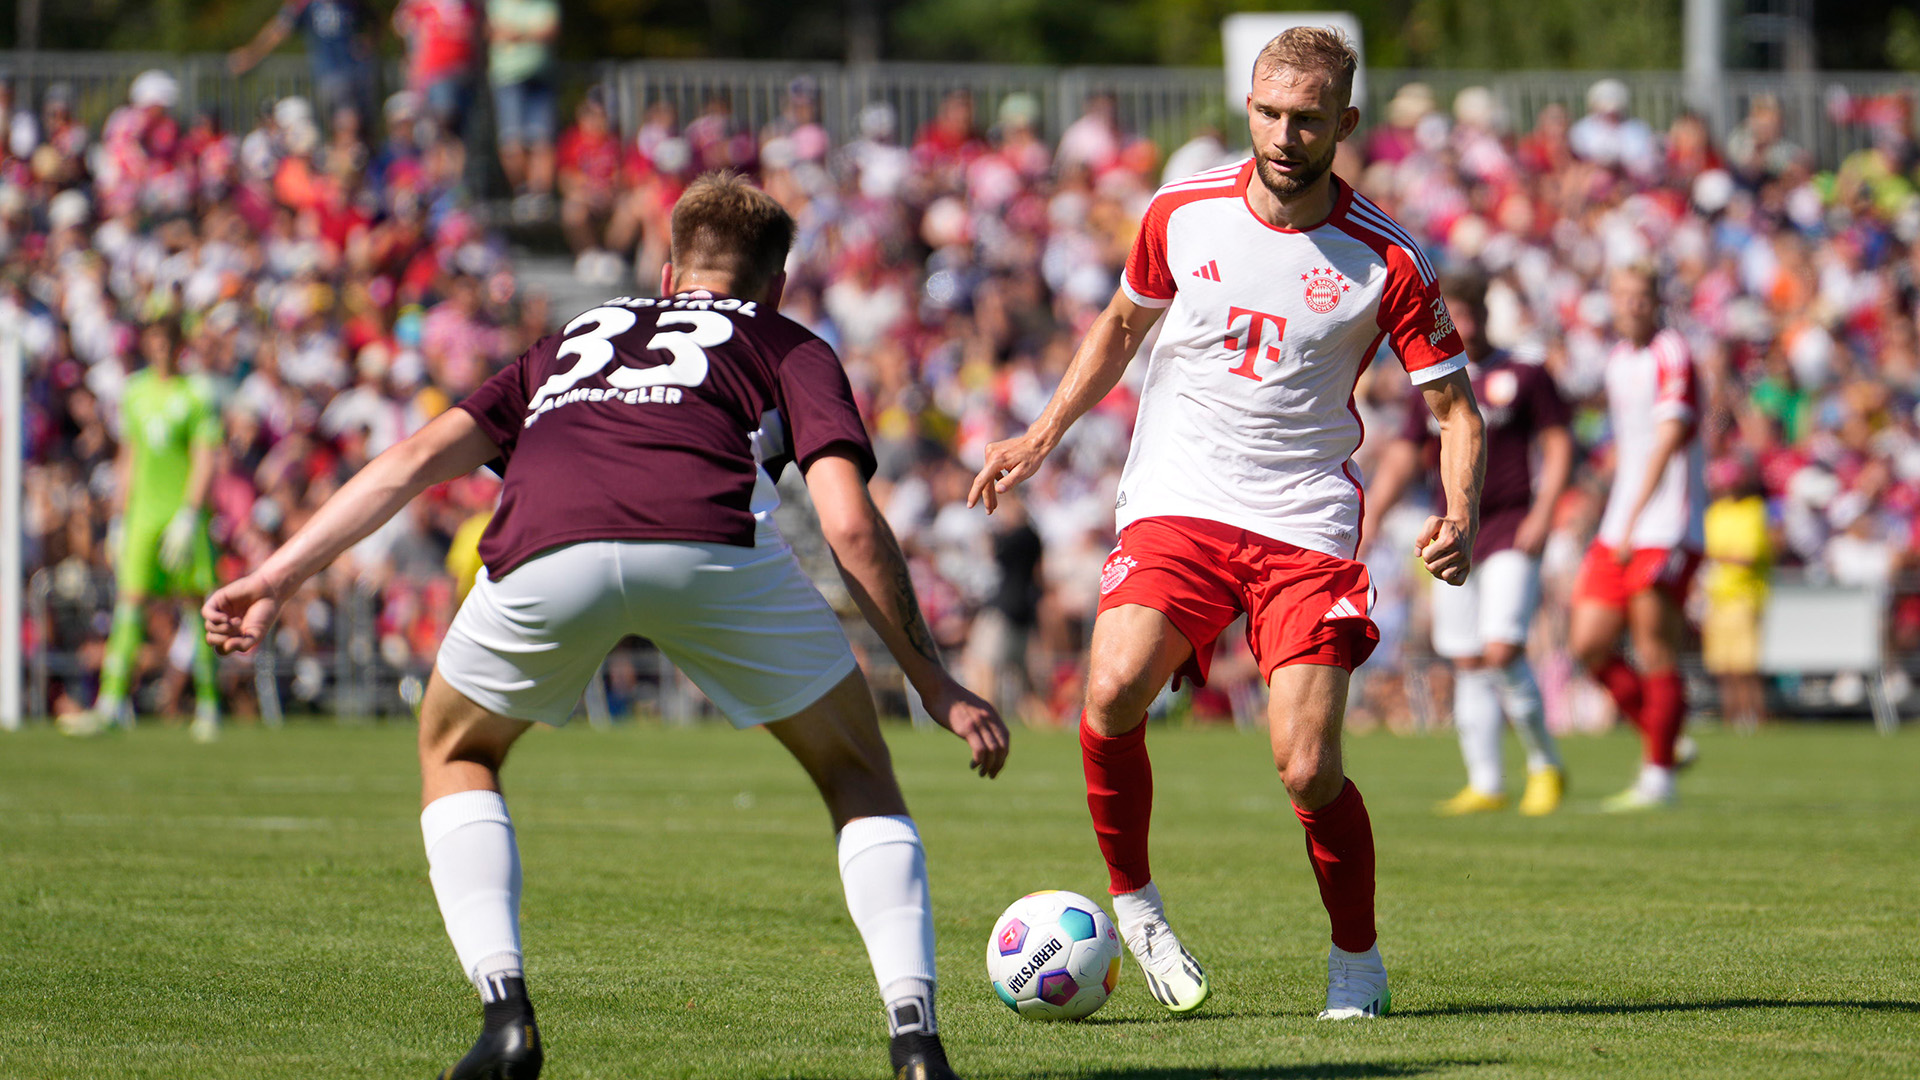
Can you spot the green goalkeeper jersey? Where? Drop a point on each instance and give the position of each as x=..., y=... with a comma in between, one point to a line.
x=163, y=419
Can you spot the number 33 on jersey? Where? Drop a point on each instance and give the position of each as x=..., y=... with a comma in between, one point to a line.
x=659, y=420
x=1247, y=414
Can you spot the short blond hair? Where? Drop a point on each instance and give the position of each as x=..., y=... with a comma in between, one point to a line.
x=723, y=223
x=1322, y=49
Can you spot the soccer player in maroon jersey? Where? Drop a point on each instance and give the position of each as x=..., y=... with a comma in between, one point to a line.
x=1481, y=627
x=638, y=449
x=1279, y=285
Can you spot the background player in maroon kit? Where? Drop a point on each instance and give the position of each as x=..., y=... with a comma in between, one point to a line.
x=1481, y=627
x=1637, y=573
x=638, y=450
x=1278, y=286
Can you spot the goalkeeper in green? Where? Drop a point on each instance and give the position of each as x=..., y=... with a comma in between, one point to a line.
x=169, y=433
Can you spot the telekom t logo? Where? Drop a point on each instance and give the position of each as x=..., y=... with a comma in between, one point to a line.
x=1257, y=321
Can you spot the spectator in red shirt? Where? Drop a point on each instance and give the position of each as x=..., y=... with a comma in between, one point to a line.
x=598, y=223
x=445, y=45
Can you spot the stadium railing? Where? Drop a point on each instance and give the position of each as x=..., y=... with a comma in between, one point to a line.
x=1161, y=102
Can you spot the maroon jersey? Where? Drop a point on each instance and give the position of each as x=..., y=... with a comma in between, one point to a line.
x=1518, y=401
x=655, y=420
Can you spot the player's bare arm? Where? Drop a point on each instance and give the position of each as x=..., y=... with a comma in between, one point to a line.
x=1556, y=471
x=1094, y=371
x=1398, y=464
x=876, y=574
x=239, y=615
x=1446, y=544
x=1672, y=436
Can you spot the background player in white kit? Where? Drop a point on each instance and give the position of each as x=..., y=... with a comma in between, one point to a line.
x=711, y=387
x=1481, y=627
x=1636, y=574
x=1279, y=285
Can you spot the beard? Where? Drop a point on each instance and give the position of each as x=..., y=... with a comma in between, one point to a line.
x=1285, y=186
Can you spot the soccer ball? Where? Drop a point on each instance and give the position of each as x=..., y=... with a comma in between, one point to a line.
x=1054, y=956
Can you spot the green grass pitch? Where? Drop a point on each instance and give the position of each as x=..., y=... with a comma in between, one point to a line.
x=259, y=909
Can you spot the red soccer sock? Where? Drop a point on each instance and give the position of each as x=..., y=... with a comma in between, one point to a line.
x=1120, y=796
x=1340, y=847
x=1665, y=715
x=1625, y=686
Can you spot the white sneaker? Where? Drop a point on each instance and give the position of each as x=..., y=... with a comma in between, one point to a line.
x=1174, y=977
x=1356, y=985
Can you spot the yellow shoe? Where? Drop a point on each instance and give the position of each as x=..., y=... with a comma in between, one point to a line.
x=1545, y=788
x=1471, y=801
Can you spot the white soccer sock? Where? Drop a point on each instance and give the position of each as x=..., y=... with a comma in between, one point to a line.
x=475, y=869
x=1133, y=910
x=883, y=869
x=1476, y=717
x=1520, y=699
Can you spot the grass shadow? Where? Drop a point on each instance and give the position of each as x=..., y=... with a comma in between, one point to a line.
x=1628, y=1008
x=1334, y=1070
x=1325, y=1070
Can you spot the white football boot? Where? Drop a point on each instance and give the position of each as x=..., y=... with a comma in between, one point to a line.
x=1174, y=977
x=1356, y=985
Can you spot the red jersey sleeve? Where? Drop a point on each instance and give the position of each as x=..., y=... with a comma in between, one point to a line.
x=1415, y=319
x=817, y=401
x=1678, y=395
x=1148, y=281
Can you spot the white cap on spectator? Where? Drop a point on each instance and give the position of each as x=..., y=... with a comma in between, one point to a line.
x=68, y=210
x=404, y=105
x=877, y=120
x=672, y=155
x=1712, y=191
x=292, y=110
x=154, y=87
x=1608, y=96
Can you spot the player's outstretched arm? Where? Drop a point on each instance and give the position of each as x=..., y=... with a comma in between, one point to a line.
x=1095, y=368
x=1446, y=544
x=876, y=574
x=239, y=615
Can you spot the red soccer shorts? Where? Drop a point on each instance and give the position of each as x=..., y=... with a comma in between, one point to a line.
x=1606, y=582
x=1302, y=606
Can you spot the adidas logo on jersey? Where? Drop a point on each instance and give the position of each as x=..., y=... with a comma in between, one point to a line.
x=1211, y=271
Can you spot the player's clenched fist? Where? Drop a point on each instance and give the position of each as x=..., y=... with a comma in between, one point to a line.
x=1446, y=547
x=239, y=615
x=1009, y=461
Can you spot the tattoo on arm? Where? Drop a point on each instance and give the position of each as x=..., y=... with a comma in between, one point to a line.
x=906, y=603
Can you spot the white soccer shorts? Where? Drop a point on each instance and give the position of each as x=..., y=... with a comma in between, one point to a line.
x=1495, y=605
x=744, y=624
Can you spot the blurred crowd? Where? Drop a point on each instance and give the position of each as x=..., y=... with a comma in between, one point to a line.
x=339, y=288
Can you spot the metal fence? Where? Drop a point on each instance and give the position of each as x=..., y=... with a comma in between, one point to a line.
x=1164, y=103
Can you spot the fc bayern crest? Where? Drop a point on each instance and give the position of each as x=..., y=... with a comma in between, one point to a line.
x=1116, y=571
x=1324, y=286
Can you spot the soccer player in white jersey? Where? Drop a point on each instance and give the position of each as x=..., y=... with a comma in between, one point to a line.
x=1279, y=284
x=1636, y=574
x=710, y=386
x=1481, y=628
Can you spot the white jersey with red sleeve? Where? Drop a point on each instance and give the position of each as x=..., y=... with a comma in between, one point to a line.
x=1645, y=387
x=1246, y=416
